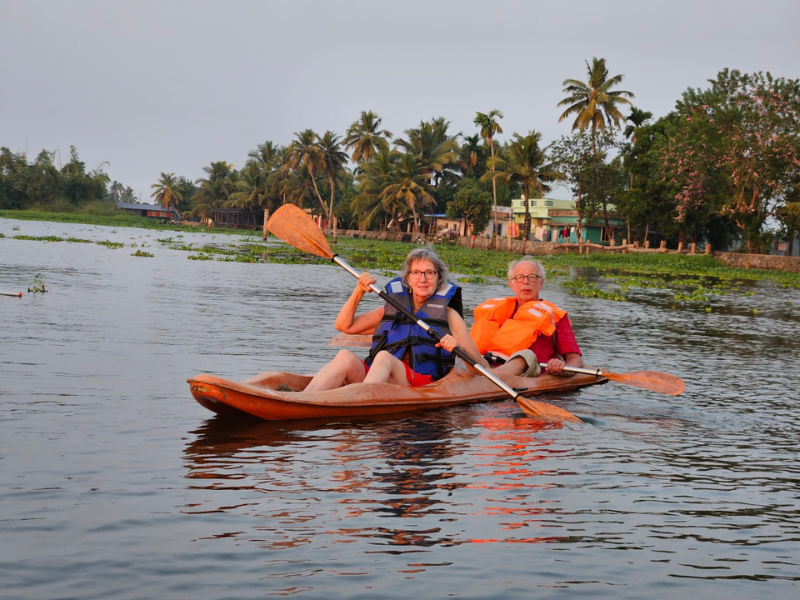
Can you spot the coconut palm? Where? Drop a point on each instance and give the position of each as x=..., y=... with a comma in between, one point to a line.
x=595, y=105
x=265, y=155
x=279, y=177
x=264, y=160
x=249, y=191
x=166, y=191
x=334, y=161
x=298, y=188
x=489, y=127
x=592, y=102
x=365, y=138
x=305, y=151
x=409, y=186
x=523, y=162
x=434, y=148
x=372, y=179
x=115, y=191
x=215, y=189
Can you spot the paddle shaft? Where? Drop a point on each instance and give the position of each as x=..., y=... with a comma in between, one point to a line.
x=17, y=294
x=431, y=331
x=595, y=372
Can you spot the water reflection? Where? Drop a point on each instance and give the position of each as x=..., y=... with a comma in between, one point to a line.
x=401, y=468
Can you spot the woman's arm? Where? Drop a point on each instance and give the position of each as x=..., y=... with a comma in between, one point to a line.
x=460, y=337
x=347, y=321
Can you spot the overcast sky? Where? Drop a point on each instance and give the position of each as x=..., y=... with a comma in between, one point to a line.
x=172, y=85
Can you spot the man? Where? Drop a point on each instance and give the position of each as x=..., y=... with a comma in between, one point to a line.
x=519, y=333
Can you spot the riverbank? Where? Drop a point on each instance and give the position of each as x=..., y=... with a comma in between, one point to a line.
x=698, y=281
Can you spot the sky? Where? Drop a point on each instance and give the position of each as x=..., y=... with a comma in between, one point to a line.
x=150, y=86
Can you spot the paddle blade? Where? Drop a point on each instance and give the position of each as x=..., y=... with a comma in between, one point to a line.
x=543, y=410
x=654, y=381
x=296, y=228
x=346, y=340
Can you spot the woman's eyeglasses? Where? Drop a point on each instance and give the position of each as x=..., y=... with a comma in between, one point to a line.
x=418, y=274
x=520, y=278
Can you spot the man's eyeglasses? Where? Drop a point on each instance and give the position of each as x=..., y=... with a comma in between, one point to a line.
x=418, y=274
x=520, y=278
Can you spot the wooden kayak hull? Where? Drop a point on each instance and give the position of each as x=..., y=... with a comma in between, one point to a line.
x=257, y=396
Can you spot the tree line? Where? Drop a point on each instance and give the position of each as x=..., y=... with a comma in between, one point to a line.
x=723, y=166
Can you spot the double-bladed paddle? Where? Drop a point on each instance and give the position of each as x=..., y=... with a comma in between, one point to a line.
x=291, y=224
x=654, y=381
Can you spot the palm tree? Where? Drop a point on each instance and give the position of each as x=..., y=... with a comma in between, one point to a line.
x=265, y=159
x=595, y=105
x=469, y=156
x=166, y=191
x=523, y=162
x=249, y=191
x=280, y=176
x=305, y=152
x=373, y=178
x=365, y=139
x=409, y=186
x=489, y=127
x=333, y=160
x=593, y=102
x=298, y=188
x=435, y=149
x=215, y=189
x=637, y=119
x=115, y=191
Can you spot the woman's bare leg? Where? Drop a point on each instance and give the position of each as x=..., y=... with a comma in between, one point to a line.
x=387, y=369
x=345, y=368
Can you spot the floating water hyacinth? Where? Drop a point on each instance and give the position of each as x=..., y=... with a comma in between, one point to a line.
x=38, y=286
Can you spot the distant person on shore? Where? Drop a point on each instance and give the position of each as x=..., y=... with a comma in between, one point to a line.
x=516, y=334
x=402, y=352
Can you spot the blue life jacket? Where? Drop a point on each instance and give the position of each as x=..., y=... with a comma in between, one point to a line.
x=396, y=332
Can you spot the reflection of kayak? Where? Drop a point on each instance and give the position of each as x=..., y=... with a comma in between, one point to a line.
x=257, y=395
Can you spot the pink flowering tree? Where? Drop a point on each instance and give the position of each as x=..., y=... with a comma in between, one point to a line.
x=738, y=145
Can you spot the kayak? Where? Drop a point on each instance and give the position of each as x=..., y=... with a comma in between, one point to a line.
x=258, y=397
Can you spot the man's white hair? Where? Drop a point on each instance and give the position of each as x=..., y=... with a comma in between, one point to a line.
x=526, y=259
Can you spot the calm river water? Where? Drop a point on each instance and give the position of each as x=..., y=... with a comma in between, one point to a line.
x=115, y=483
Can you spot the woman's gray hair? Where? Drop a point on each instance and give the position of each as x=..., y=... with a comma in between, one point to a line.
x=426, y=254
x=528, y=259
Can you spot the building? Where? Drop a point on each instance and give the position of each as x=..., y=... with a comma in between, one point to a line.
x=539, y=210
x=554, y=220
x=783, y=247
x=153, y=211
x=564, y=227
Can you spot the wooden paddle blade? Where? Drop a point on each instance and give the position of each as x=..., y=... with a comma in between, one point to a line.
x=654, y=381
x=543, y=410
x=296, y=228
x=346, y=340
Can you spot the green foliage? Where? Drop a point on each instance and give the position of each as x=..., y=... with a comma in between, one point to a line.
x=42, y=184
x=143, y=254
x=473, y=202
x=38, y=286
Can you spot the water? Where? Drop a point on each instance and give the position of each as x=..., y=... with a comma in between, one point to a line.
x=115, y=483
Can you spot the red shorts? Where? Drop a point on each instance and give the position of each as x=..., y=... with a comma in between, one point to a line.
x=413, y=378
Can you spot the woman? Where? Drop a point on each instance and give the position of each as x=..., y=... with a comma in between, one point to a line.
x=402, y=352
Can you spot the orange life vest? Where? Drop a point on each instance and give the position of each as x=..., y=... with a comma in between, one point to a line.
x=498, y=329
